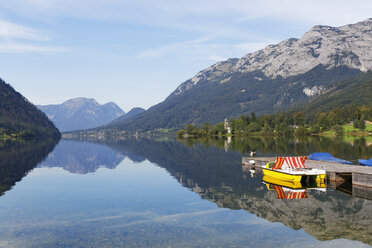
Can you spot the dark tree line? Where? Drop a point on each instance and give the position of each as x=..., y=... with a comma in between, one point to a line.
x=286, y=124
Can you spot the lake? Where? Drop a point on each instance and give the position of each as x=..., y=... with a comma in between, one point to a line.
x=168, y=193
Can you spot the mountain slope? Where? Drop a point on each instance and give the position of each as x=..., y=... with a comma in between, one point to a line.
x=275, y=78
x=356, y=90
x=81, y=113
x=130, y=114
x=17, y=115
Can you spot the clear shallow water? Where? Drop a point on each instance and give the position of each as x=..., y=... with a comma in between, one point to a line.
x=146, y=193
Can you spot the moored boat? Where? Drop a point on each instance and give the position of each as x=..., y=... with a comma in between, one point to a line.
x=316, y=184
x=365, y=162
x=292, y=169
x=327, y=157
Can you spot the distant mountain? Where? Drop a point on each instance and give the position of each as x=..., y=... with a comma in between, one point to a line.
x=81, y=113
x=130, y=114
x=272, y=79
x=18, y=115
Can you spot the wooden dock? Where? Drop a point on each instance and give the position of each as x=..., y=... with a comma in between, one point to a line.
x=360, y=176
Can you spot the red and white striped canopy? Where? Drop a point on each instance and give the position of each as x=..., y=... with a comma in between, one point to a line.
x=293, y=162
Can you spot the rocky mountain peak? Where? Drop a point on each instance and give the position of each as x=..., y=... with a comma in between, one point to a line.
x=349, y=45
x=80, y=101
x=81, y=113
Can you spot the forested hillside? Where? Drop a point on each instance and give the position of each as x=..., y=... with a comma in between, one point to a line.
x=20, y=117
x=356, y=90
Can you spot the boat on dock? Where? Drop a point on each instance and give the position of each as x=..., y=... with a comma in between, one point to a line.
x=292, y=169
x=360, y=176
x=365, y=162
x=327, y=157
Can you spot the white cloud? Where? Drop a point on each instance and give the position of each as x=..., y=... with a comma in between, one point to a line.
x=10, y=30
x=13, y=37
x=24, y=48
x=202, y=49
x=215, y=19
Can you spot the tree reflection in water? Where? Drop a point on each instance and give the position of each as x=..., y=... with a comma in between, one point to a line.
x=19, y=157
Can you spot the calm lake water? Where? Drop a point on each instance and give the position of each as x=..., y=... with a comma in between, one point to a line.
x=167, y=193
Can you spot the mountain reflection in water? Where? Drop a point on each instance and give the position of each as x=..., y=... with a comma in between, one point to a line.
x=217, y=176
x=138, y=205
x=82, y=157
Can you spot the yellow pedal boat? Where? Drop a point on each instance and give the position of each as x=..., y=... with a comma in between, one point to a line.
x=292, y=169
x=294, y=185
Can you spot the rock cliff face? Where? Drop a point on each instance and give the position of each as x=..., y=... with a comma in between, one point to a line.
x=276, y=78
x=81, y=113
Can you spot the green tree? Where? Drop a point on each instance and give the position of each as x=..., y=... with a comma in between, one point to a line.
x=332, y=119
x=253, y=117
x=339, y=129
x=237, y=126
x=356, y=124
x=245, y=119
x=267, y=129
x=362, y=124
x=191, y=129
x=202, y=132
x=299, y=119
x=253, y=127
x=323, y=121
x=220, y=129
x=206, y=126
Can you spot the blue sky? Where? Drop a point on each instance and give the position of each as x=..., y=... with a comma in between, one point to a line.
x=136, y=53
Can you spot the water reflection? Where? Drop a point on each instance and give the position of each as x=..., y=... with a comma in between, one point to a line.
x=82, y=157
x=18, y=158
x=218, y=177
x=346, y=147
x=140, y=205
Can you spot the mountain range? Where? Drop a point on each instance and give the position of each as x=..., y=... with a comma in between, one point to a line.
x=19, y=116
x=84, y=113
x=277, y=78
